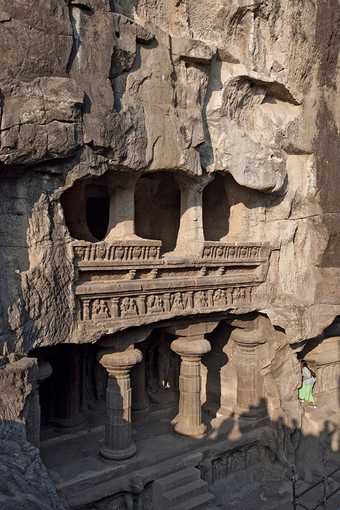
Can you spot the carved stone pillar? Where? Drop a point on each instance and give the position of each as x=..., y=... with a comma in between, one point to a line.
x=122, y=207
x=118, y=433
x=190, y=236
x=189, y=419
x=34, y=415
x=250, y=401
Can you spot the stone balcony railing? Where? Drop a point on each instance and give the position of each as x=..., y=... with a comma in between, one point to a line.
x=128, y=283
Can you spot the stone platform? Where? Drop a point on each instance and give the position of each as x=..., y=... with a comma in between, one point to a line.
x=83, y=476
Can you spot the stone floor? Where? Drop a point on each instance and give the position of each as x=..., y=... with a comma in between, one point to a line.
x=81, y=474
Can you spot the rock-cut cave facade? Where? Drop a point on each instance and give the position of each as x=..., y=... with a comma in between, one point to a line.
x=170, y=248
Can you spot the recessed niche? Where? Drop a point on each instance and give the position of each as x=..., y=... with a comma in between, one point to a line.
x=97, y=211
x=157, y=208
x=86, y=208
x=215, y=210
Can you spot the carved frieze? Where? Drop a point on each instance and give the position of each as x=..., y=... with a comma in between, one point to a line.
x=216, y=251
x=144, y=251
x=118, y=253
x=126, y=283
x=166, y=303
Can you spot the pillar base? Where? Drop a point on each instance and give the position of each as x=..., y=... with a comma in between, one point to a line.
x=139, y=414
x=185, y=430
x=69, y=423
x=126, y=453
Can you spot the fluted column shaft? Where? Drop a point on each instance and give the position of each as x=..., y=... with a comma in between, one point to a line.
x=118, y=432
x=189, y=420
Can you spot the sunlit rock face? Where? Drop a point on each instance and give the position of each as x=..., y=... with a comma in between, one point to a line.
x=167, y=165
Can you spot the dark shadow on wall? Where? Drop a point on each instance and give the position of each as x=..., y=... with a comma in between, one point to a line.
x=215, y=210
x=215, y=361
x=157, y=208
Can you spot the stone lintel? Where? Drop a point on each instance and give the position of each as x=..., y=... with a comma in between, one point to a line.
x=194, y=329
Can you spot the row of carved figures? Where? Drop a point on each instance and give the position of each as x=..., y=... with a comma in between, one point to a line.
x=175, y=302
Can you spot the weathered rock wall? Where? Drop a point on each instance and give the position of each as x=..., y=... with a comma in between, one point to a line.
x=247, y=89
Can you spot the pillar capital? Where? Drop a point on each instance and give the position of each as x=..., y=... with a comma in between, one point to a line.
x=123, y=361
x=251, y=332
x=191, y=347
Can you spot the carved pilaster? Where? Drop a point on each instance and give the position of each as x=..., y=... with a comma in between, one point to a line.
x=34, y=414
x=249, y=398
x=189, y=419
x=118, y=433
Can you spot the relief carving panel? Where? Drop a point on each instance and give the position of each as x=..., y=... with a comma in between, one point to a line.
x=144, y=287
x=168, y=303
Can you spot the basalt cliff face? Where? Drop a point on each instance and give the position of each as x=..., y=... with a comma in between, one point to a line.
x=170, y=160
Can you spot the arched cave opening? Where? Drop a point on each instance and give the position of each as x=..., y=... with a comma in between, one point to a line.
x=215, y=210
x=157, y=208
x=86, y=207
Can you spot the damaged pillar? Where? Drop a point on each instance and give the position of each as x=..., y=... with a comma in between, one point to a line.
x=118, y=432
x=34, y=414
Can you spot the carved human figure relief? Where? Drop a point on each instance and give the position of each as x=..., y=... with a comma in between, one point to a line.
x=100, y=309
x=219, y=298
x=200, y=299
x=177, y=303
x=155, y=304
x=128, y=307
x=101, y=251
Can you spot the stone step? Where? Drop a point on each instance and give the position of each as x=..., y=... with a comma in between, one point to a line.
x=177, y=479
x=186, y=492
x=200, y=502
